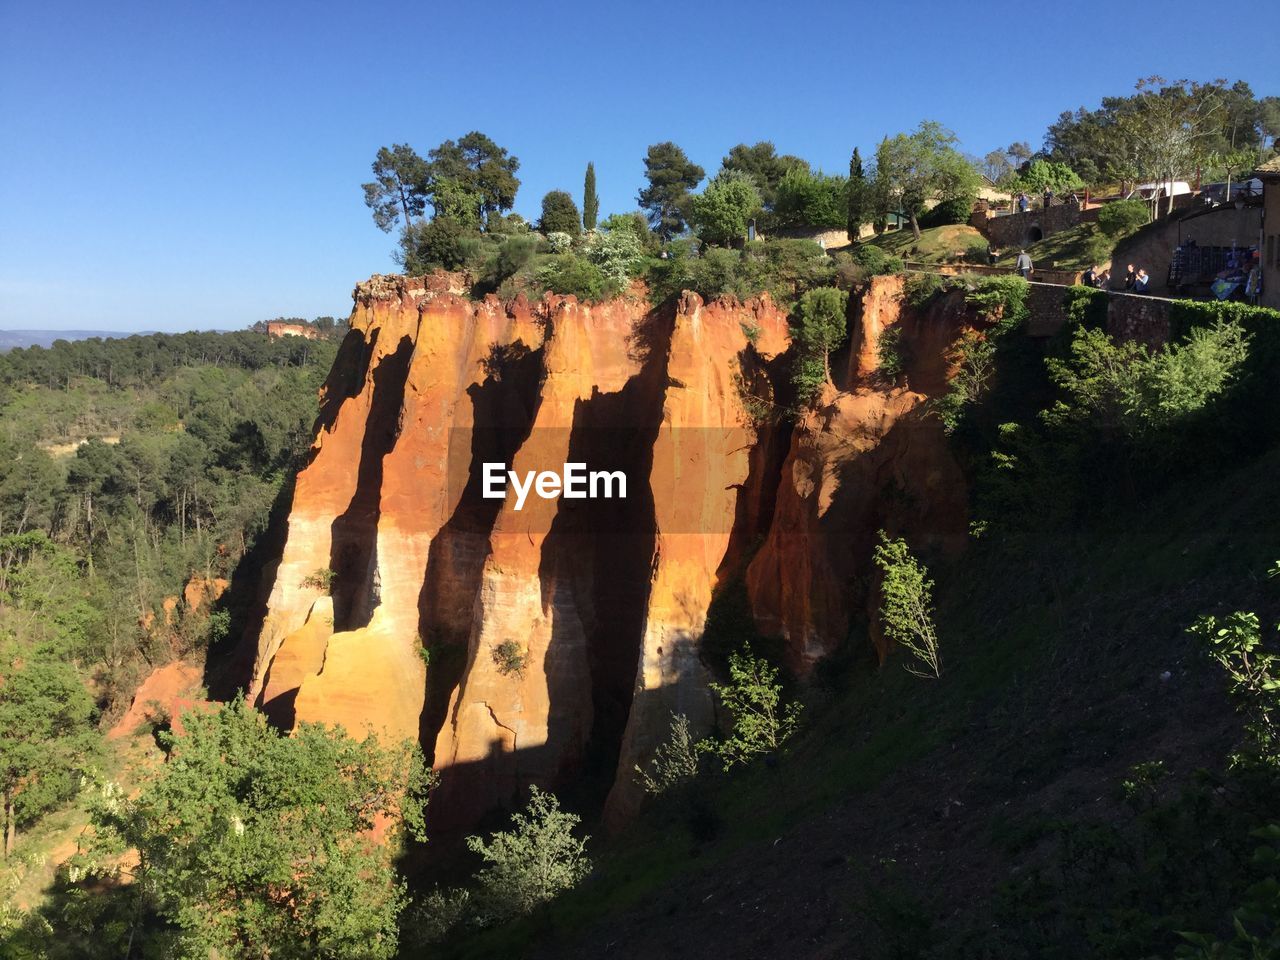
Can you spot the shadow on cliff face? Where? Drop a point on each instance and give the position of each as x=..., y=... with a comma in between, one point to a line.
x=229, y=664
x=599, y=558
x=353, y=555
x=503, y=410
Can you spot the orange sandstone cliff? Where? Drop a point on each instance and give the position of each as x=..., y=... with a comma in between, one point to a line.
x=533, y=645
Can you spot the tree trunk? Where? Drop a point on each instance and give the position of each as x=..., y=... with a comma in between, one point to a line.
x=915, y=227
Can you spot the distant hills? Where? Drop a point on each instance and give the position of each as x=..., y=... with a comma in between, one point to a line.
x=11, y=339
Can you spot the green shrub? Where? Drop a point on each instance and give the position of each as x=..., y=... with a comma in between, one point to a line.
x=674, y=763
x=432, y=246
x=920, y=288
x=975, y=359
x=1126, y=389
x=906, y=605
x=1001, y=300
x=873, y=261
x=533, y=863
x=891, y=358
x=574, y=276
x=1086, y=307
x=720, y=213
x=321, y=579
x=761, y=721
x=947, y=212
x=818, y=326
x=560, y=214
x=619, y=255
x=509, y=657
x=514, y=254
x=808, y=199
x=1123, y=217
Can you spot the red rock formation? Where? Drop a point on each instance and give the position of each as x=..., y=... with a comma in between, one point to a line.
x=868, y=458
x=569, y=630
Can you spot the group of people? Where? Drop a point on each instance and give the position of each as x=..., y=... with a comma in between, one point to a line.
x=1136, y=280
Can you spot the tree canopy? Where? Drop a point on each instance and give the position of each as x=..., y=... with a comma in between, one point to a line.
x=671, y=175
x=721, y=213
x=914, y=169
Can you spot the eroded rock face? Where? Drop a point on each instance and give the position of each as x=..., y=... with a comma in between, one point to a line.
x=536, y=645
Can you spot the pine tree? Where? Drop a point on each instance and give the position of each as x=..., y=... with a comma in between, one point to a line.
x=590, y=202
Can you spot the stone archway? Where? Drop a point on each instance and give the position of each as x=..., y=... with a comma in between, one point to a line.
x=1034, y=234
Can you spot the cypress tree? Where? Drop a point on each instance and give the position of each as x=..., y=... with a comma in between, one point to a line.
x=590, y=202
x=857, y=200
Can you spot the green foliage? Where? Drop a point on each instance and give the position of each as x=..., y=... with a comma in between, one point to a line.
x=674, y=763
x=811, y=199
x=720, y=214
x=761, y=722
x=513, y=255
x=858, y=200
x=762, y=163
x=574, y=276
x=891, y=359
x=618, y=253
x=533, y=863
x=510, y=658
x=1235, y=644
x=818, y=326
x=782, y=268
x=1086, y=307
x=1041, y=175
x=1123, y=217
x=472, y=166
x=398, y=187
x=1001, y=300
x=974, y=356
x=590, y=200
x=872, y=261
x=912, y=169
x=453, y=201
x=950, y=211
x=906, y=605
x=438, y=245
x=320, y=579
x=560, y=214
x=671, y=175
x=256, y=844
x=1127, y=389
x=920, y=288
x=47, y=736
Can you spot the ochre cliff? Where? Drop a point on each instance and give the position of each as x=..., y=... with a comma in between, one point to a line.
x=555, y=641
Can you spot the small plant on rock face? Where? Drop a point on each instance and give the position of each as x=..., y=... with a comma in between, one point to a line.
x=674, y=762
x=906, y=605
x=762, y=722
x=510, y=657
x=321, y=579
x=889, y=353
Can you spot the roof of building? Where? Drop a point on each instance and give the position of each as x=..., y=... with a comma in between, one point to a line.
x=1270, y=169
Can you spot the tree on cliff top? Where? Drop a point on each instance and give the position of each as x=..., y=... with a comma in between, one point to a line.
x=722, y=211
x=671, y=175
x=478, y=166
x=590, y=201
x=255, y=844
x=858, y=198
x=399, y=187
x=914, y=169
x=762, y=163
x=560, y=214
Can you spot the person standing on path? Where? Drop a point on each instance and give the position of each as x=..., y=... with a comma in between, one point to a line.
x=1023, y=265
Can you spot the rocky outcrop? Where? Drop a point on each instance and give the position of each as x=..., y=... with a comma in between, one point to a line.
x=535, y=643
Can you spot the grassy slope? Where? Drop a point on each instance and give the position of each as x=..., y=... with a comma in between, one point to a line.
x=1052, y=691
x=936, y=244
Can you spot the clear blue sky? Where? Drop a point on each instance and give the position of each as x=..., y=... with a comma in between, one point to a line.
x=176, y=165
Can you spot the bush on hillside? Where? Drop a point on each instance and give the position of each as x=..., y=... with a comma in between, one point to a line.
x=906, y=605
x=761, y=720
x=1123, y=217
x=950, y=211
x=573, y=276
x=531, y=864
